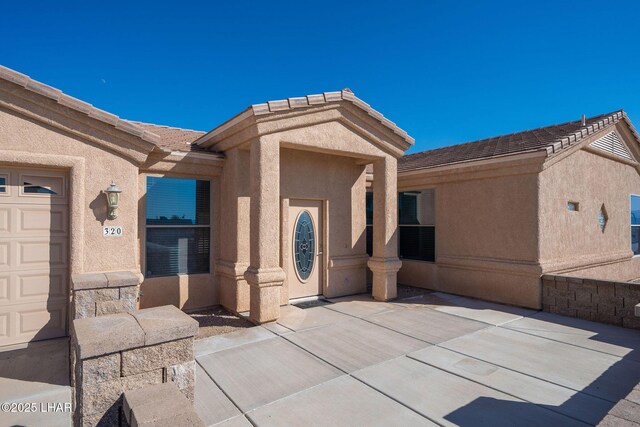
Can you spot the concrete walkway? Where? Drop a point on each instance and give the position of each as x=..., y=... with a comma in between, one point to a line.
x=426, y=360
x=36, y=375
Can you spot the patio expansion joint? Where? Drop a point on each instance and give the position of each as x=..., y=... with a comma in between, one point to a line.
x=567, y=343
x=222, y=390
x=542, y=406
x=423, y=340
x=351, y=376
x=523, y=373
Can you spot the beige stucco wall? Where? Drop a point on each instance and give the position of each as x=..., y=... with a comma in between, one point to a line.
x=486, y=233
x=572, y=242
x=340, y=183
x=25, y=141
x=499, y=227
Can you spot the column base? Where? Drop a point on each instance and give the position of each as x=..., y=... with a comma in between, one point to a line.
x=264, y=291
x=385, y=274
x=234, y=290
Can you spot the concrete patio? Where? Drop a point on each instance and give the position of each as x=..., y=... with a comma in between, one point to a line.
x=36, y=373
x=423, y=360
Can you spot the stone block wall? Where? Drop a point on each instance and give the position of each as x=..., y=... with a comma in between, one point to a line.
x=127, y=351
x=159, y=405
x=597, y=300
x=97, y=294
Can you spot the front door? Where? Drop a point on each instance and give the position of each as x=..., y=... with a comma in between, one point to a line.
x=305, y=267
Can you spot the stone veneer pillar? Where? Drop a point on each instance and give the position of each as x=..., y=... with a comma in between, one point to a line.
x=127, y=351
x=96, y=294
x=384, y=263
x=264, y=275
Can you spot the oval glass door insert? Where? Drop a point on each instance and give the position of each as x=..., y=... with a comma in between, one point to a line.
x=304, y=245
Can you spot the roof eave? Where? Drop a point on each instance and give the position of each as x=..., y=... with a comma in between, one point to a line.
x=79, y=106
x=472, y=162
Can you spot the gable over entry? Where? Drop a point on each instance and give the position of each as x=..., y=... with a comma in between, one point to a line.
x=294, y=151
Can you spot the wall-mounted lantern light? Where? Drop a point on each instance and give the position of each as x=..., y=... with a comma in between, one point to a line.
x=113, y=197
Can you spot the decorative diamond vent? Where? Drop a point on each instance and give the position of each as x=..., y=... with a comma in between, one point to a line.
x=603, y=218
x=612, y=144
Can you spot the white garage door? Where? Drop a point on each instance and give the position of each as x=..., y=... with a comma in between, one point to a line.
x=34, y=243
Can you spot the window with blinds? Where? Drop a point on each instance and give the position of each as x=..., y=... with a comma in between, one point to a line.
x=178, y=226
x=416, y=225
x=635, y=224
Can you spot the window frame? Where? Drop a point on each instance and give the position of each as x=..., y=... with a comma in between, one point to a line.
x=6, y=185
x=418, y=214
x=143, y=216
x=631, y=226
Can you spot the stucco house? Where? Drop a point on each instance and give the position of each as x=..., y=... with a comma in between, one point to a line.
x=288, y=199
x=488, y=218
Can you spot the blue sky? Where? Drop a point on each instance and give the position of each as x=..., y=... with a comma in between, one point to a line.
x=445, y=71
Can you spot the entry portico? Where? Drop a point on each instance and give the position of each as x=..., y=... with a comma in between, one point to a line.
x=296, y=154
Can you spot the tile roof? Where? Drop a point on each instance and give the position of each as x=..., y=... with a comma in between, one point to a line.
x=75, y=104
x=311, y=101
x=174, y=139
x=549, y=138
x=324, y=98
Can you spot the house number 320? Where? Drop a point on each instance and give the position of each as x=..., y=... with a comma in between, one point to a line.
x=112, y=231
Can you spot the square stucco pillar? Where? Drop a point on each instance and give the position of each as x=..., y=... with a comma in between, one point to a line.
x=384, y=263
x=264, y=275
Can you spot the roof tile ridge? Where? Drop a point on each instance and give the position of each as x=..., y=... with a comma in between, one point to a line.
x=575, y=137
x=325, y=98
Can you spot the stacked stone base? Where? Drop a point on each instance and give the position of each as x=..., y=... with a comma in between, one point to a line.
x=160, y=404
x=97, y=294
x=129, y=351
x=597, y=300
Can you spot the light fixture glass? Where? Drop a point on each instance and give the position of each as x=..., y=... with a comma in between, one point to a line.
x=113, y=197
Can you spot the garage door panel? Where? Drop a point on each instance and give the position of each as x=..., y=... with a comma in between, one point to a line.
x=34, y=253
x=41, y=253
x=5, y=219
x=5, y=282
x=41, y=286
x=5, y=326
x=34, y=322
x=42, y=220
x=5, y=259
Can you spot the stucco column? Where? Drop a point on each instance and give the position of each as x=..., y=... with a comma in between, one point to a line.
x=385, y=263
x=264, y=275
